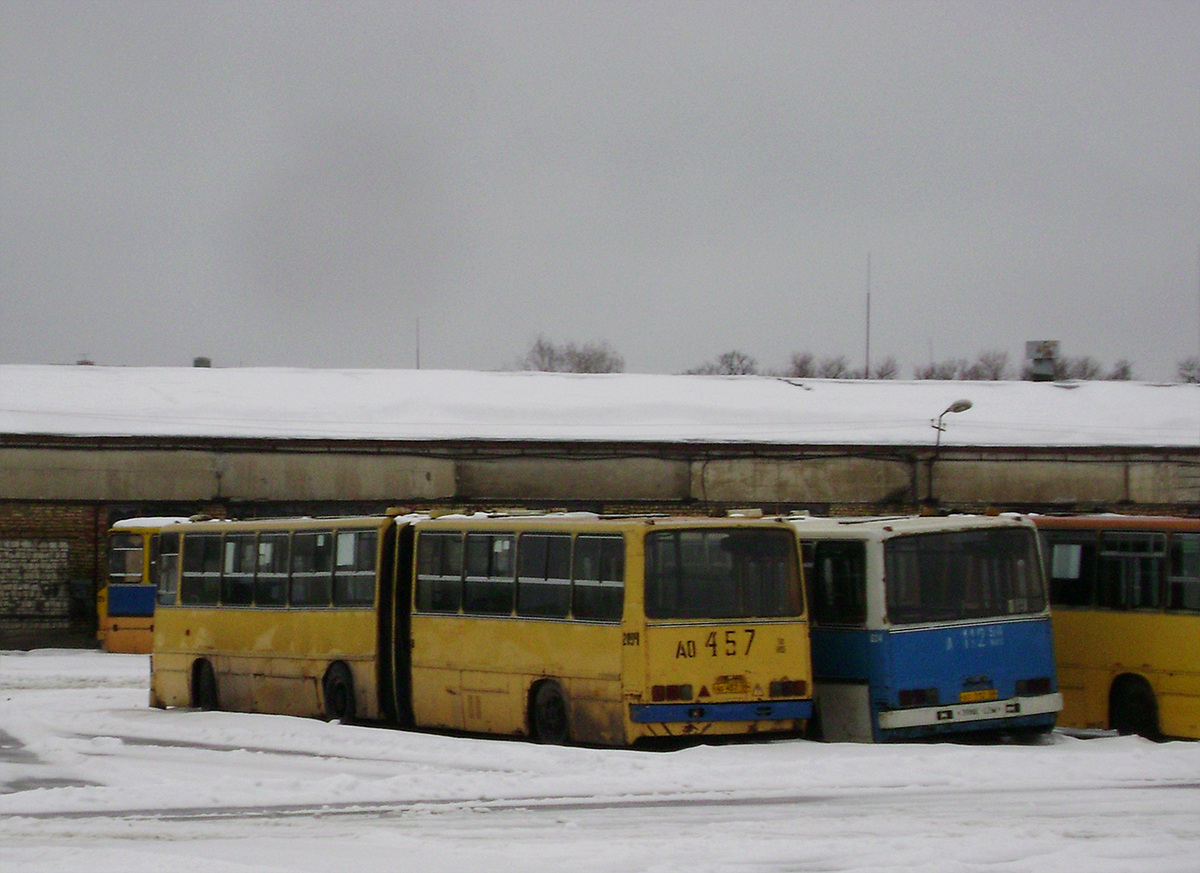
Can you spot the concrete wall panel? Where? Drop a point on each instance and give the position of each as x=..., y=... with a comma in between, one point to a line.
x=818, y=480
x=566, y=479
x=190, y=475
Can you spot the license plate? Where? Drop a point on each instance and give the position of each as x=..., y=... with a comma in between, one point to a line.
x=731, y=685
x=978, y=696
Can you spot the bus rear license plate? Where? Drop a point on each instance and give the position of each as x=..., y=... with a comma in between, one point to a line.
x=978, y=696
x=731, y=685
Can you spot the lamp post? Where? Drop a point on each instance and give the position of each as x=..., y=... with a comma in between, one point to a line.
x=956, y=406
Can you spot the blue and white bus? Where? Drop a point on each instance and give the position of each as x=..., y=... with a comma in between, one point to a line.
x=928, y=627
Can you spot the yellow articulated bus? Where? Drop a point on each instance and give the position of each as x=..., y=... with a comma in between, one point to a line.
x=563, y=628
x=125, y=600
x=1125, y=602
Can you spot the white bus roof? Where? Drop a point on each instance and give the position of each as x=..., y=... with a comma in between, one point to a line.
x=883, y=527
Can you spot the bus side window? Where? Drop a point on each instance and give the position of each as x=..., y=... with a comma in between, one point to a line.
x=838, y=586
x=544, y=575
x=271, y=572
x=1131, y=569
x=312, y=568
x=237, y=578
x=1072, y=571
x=599, y=571
x=201, y=580
x=490, y=584
x=354, y=569
x=168, y=568
x=439, y=572
x=1183, y=585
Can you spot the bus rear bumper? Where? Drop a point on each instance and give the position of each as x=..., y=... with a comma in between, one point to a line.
x=755, y=710
x=967, y=713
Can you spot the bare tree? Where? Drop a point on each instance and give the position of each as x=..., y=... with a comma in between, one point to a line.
x=1084, y=368
x=801, y=366
x=733, y=363
x=990, y=366
x=948, y=369
x=595, y=357
x=1122, y=371
x=834, y=368
x=1189, y=370
x=592, y=358
x=888, y=368
x=542, y=355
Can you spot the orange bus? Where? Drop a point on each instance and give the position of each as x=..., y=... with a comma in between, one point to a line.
x=1125, y=600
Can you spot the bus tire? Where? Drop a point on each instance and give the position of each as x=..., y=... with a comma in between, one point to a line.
x=549, y=718
x=204, y=686
x=337, y=688
x=1132, y=708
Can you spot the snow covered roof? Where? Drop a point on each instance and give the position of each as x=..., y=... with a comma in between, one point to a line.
x=429, y=405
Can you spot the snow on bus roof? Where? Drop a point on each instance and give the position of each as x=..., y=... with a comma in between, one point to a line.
x=150, y=521
x=441, y=405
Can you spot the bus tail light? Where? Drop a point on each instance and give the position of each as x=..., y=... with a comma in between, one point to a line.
x=919, y=697
x=1034, y=687
x=789, y=688
x=661, y=693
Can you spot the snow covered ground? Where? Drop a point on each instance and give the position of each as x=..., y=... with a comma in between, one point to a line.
x=93, y=779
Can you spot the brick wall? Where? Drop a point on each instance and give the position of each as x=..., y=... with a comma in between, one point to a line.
x=35, y=592
x=50, y=556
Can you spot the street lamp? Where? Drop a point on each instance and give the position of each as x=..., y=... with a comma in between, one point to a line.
x=956, y=406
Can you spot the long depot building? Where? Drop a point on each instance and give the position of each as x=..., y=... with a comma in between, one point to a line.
x=84, y=446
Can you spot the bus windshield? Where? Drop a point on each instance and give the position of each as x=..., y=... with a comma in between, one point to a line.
x=715, y=573
x=969, y=574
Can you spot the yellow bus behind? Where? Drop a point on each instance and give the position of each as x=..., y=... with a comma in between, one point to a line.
x=1125, y=595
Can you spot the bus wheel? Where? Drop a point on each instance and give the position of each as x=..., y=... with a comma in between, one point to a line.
x=1132, y=708
x=550, y=723
x=204, y=686
x=338, y=689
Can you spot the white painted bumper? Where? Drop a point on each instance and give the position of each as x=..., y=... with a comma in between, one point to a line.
x=958, y=713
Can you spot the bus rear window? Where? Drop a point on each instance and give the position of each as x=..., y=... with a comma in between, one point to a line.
x=714, y=573
x=125, y=558
x=962, y=575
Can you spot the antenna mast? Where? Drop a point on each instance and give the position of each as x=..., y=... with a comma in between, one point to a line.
x=867, y=371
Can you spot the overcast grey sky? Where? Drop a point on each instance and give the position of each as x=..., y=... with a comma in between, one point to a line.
x=299, y=183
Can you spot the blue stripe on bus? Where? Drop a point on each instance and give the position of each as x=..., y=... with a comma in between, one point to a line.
x=947, y=658
x=993, y=655
x=761, y=710
x=131, y=600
